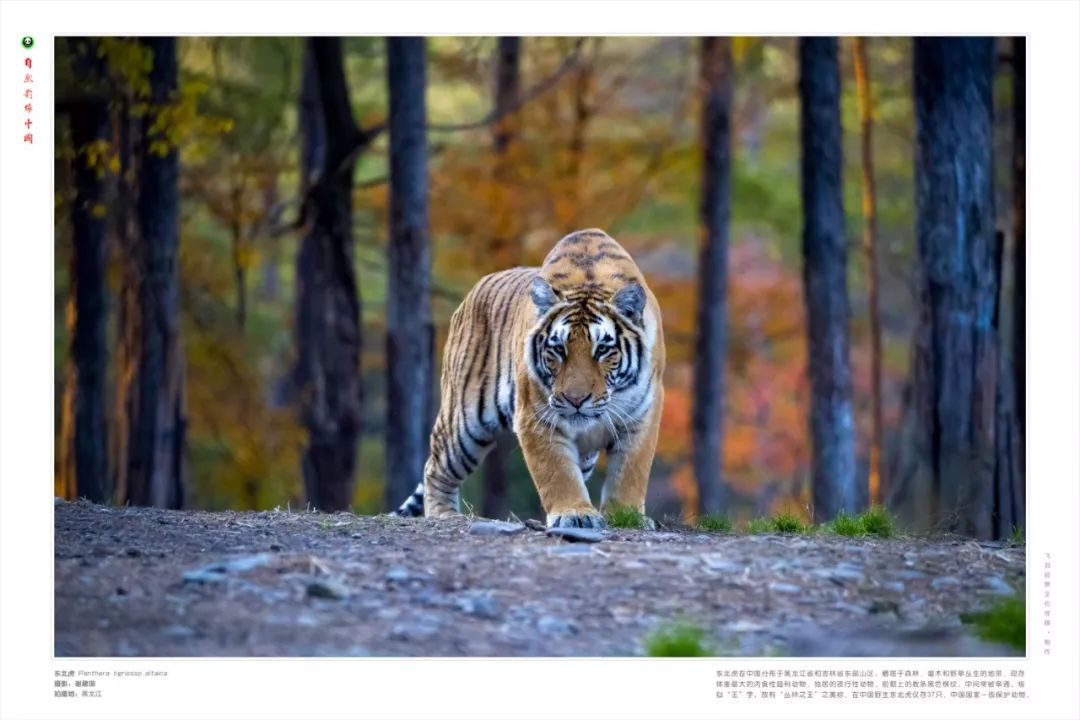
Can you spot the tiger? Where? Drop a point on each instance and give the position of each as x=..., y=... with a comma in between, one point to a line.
x=570, y=357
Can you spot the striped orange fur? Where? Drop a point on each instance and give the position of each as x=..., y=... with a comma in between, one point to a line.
x=570, y=356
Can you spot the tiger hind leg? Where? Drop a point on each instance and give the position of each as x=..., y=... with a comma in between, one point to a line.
x=413, y=505
x=453, y=457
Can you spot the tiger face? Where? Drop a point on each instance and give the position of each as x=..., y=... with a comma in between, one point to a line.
x=585, y=349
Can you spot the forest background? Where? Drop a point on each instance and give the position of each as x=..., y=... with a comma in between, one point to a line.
x=526, y=139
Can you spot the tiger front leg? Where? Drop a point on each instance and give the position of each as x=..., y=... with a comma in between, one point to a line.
x=630, y=462
x=554, y=466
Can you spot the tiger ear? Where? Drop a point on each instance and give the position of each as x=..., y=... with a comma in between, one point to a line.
x=543, y=295
x=630, y=301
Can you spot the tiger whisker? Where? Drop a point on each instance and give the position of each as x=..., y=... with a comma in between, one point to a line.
x=611, y=425
x=623, y=419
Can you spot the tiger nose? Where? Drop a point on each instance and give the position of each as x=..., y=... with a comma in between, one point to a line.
x=576, y=399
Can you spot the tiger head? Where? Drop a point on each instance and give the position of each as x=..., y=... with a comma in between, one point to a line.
x=587, y=347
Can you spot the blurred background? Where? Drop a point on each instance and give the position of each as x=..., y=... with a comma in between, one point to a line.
x=192, y=173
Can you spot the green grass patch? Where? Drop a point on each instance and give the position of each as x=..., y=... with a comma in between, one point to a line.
x=1004, y=622
x=781, y=523
x=679, y=640
x=759, y=526
x=714, y=523
x=787, y=523
x=876, y=522
x=1017, y=537
x=844, y=524
x=624, y=516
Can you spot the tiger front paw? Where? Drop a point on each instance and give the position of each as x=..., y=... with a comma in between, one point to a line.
x=576, y=518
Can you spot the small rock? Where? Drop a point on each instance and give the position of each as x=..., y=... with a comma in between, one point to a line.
x=845, y=606
x=133, y=552
x=215, y=571
x=997, y=585
x=482, y=606
x=431, y=598
x=883, y=607
x=248, y=562
x=419, y=629
x=943, y=582
x=911, y=575
x=277, y=547
x=125, y=649
x=576, y=534
x=495, y=527
x=719, y=564
x=551, y=625
x=178, y=632
x=121, y=590
x=786, y=588
x=846, y=575
x=570, y=550
x=398, y=573
x=356, y=651
x=894, y=586
x=327, y=589
x=204, y=577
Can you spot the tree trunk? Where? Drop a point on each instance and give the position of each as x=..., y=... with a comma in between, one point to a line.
x=715, y=211
x=270, y=281
x=832, y=427
x=127, y=132
x=569, y=214
x=1007, y=506
x=239, y=249
x=505, y=250
x=1019, y=219
x=1009, y=500
x=327, y=374
x=582, y=113
x=956, y=351
x=65, y=484
x=869, y=208
x=495, y=499
x=152, y=385
x=84, y=437
x=408, y=300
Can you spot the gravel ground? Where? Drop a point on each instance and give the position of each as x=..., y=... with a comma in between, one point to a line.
x=146, y=582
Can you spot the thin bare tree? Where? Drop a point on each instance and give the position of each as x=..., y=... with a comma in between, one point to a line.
x=869, y=210
x=712, y=321
x=832, y=426
x=409, y=331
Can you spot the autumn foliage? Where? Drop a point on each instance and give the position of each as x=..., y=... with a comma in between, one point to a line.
x=604, y=136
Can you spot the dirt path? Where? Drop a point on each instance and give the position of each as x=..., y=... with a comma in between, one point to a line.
x=134, y=581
